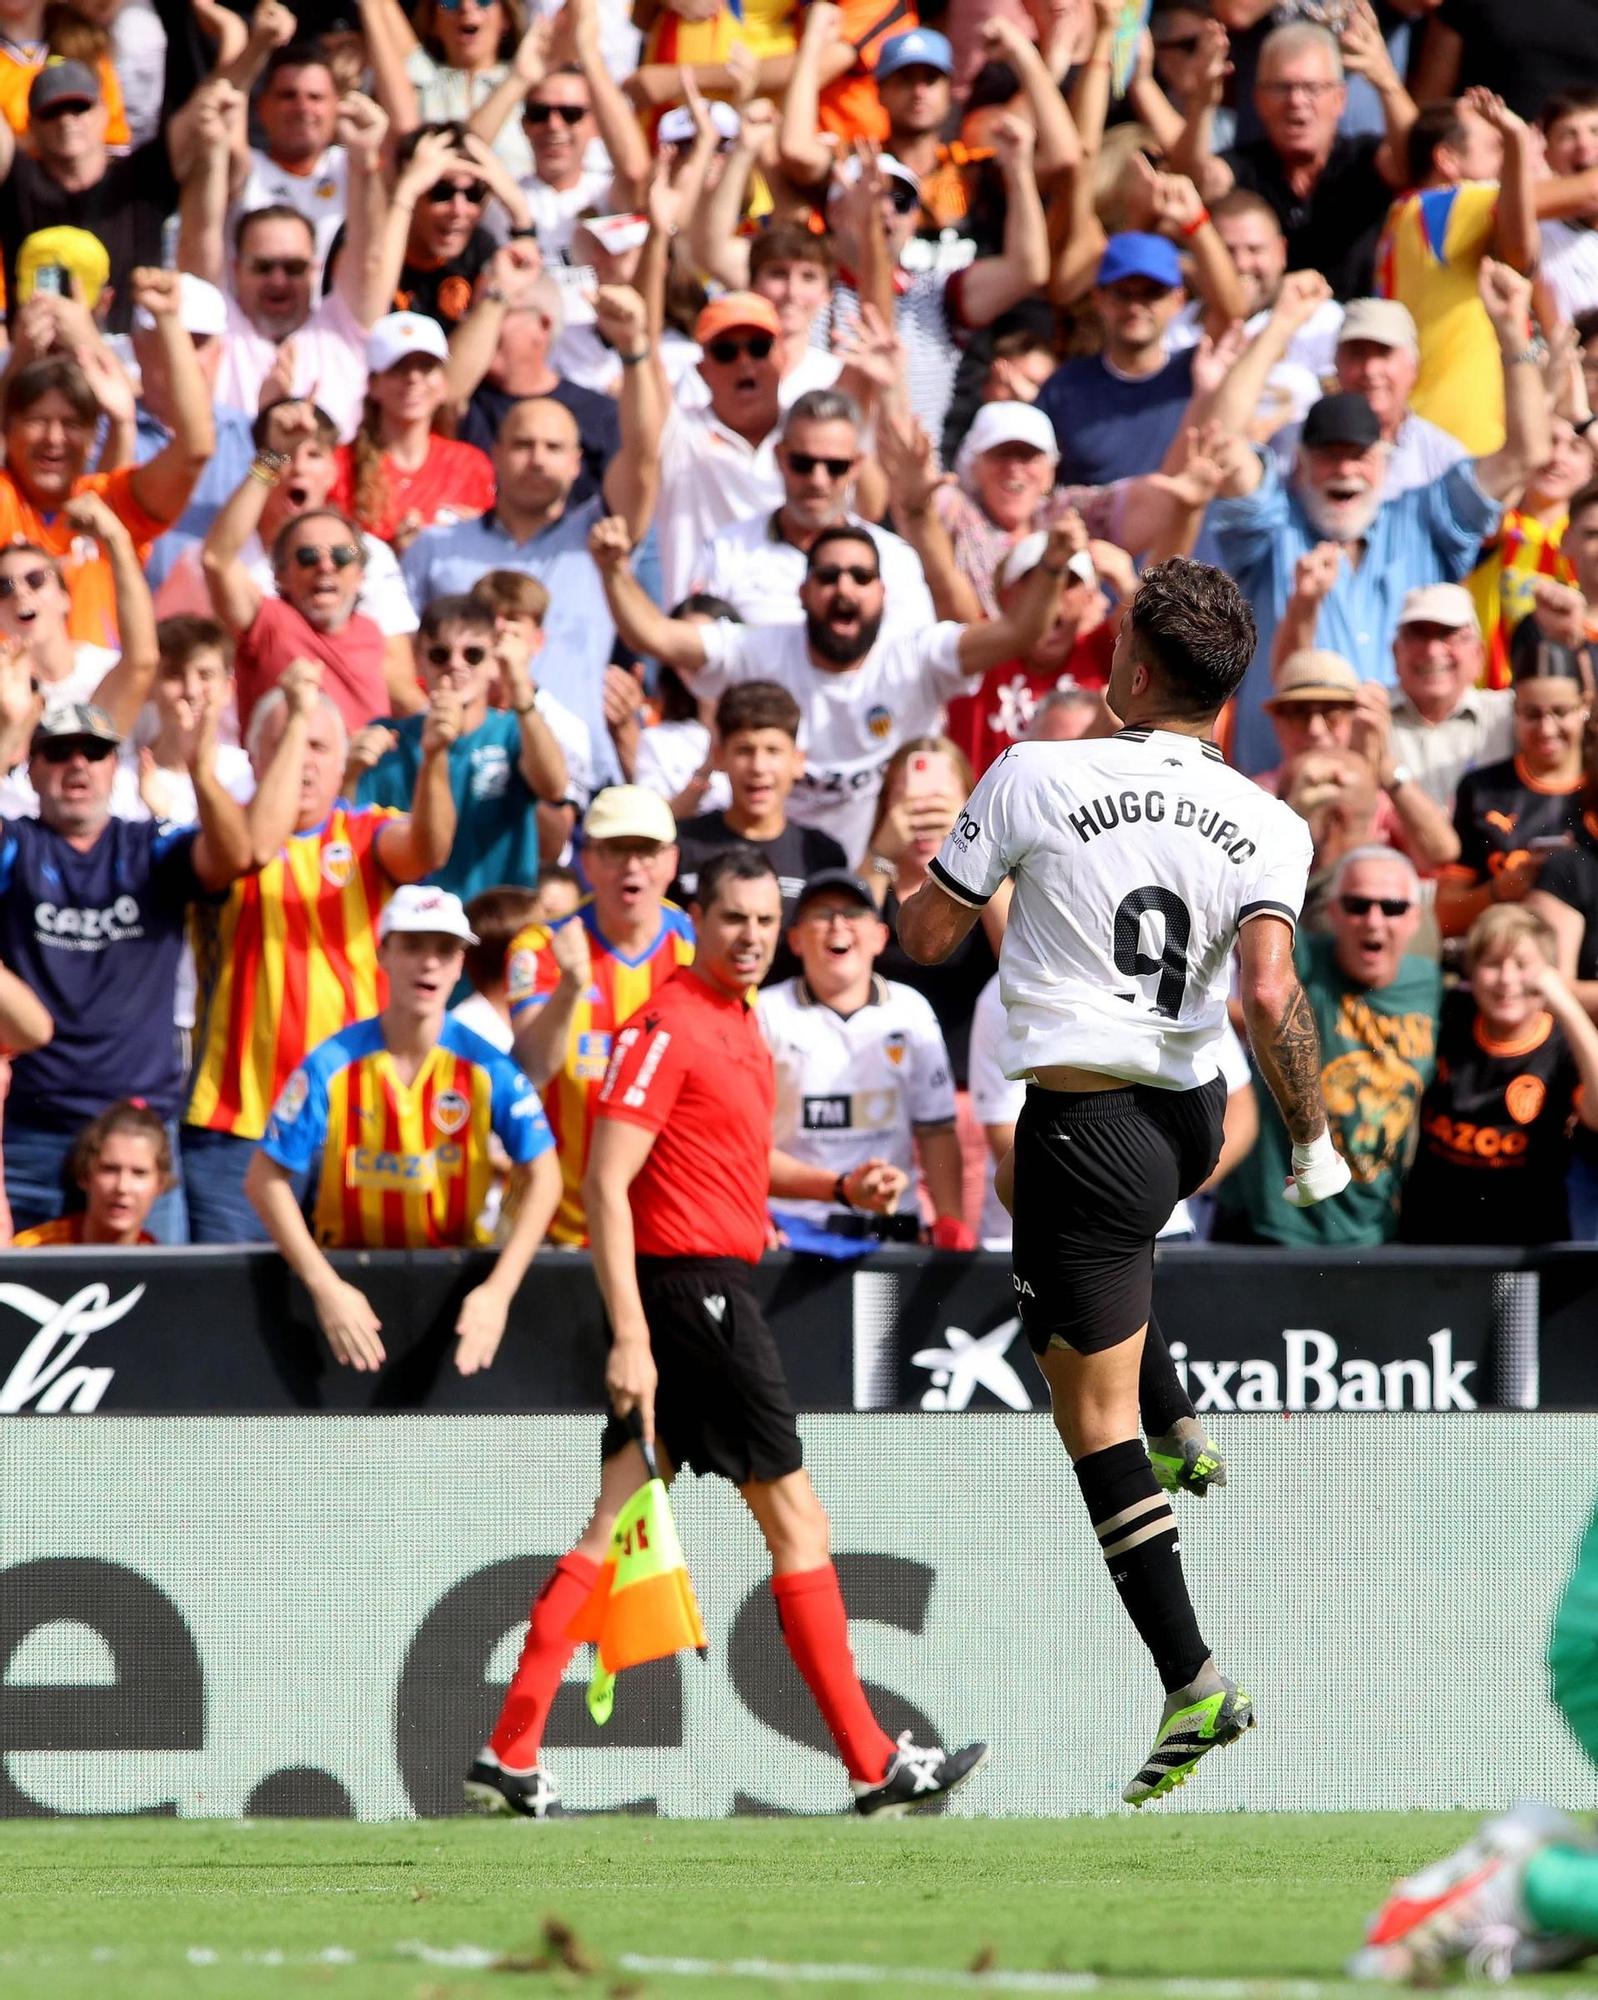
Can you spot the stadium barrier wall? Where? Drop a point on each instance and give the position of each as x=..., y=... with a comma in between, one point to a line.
x=221, y=1616
x=231, y=1331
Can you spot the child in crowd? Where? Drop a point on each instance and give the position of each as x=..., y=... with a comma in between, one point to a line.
x=123, y=1164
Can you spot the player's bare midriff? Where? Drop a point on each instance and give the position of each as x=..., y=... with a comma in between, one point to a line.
x=1061, y=1076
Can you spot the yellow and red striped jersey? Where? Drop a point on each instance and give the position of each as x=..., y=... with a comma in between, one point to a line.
x=63, y=1231
x=404, y=1166
x=617, y=987
x=287, y=959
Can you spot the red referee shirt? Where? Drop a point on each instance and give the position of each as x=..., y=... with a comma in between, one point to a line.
x=691, y=1065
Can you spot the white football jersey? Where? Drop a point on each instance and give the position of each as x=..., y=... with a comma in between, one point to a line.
x=853, y=718
x=1137, y=859
x=855, y=1089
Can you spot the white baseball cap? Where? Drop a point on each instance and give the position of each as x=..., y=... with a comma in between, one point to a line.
x=1028, y=553
x=402, y=334
x=435, y=912
x=1384, y=322
x=1006, y=423
x=201, y=308
x=677, y=127
x=1449, y=604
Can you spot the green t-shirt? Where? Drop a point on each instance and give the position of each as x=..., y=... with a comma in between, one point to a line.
x=1378, y=1052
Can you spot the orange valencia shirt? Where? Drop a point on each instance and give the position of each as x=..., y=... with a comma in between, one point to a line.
x=93, y=617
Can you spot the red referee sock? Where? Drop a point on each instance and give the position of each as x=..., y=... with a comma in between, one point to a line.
x=810, y=1611
x=546, y=1654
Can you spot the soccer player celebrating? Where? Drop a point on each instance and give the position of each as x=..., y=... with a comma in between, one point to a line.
x=676, y=1196
x=400, y=1107
x=1140, y=862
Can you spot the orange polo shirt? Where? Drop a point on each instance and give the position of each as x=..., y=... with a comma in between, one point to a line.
x=83, y=563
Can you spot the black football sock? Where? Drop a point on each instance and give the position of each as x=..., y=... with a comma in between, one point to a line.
x=1137, y=1532
x=1162, y=1401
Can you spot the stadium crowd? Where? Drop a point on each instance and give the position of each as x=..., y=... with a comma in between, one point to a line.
x=468, y=466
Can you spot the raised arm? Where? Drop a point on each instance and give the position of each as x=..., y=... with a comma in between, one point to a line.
x=632, y=479
x=1233, y=405
x=363, y=126
x=222, y=848
x=416, y=845
x=25, y=1022
x=126, y=688
x=802, y=153
x=528, y=68
x=389, y=42
x=910, y=462
x=274, y=809
x=162, y=486
x=713, y=239
x=208, y=185
x=235, y=595
x=640, y=623
x=1314, y=574
x=1193, y=153
x=618, y=126
x=1528, y=433
x=1179, y=212
x=1287, y=1052
x=1365, y=54
x=992, y=285
x=1516, y=238
x=271, y=27
x=1059, y=146
x=505, y=286
x=1014, y=633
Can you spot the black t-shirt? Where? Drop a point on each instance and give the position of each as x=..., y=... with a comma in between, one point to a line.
x=446, y=293
x=952, y=988
x=1494, y=1136
x=127, y=209
x=797, y=853
x=598, y=427
x=1525, y=52
x=1499, y=811
x=1334, y=229
x=1572, y=877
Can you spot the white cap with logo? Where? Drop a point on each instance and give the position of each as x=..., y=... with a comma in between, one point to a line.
x=434, y=912
x=398, y=336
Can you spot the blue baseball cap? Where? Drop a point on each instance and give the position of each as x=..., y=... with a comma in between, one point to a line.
x=918, y=45
x=1133, y=255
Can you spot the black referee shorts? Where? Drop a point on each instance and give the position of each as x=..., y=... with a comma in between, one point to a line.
x=722, y=1402
x=1097, y=1174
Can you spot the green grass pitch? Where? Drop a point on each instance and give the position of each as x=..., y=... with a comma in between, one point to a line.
x=1188, y=1907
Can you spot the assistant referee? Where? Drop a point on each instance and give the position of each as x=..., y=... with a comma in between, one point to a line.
x=681, y=1163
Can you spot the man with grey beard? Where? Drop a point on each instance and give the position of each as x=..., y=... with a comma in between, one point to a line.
x=1389, y=546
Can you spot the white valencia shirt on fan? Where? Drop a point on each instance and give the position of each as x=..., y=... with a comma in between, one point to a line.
x=1137, y=859
x=852, y=1088
x=852, y=718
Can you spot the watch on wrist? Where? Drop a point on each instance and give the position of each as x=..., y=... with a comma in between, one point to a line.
x=840, y=1191
x=879, y=864
x=1402, y=775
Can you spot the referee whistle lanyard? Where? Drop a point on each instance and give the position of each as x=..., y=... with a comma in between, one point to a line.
x=643, y=1606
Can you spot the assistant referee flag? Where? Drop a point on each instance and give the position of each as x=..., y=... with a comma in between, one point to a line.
x=643, y=1606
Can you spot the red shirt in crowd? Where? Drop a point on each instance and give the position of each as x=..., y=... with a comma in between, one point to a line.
x=454, y=477
x=352, y=657
x=986, y=723
x=692, y=1066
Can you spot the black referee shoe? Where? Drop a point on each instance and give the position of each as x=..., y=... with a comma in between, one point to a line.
x=492, y=1789
x=916, y=1778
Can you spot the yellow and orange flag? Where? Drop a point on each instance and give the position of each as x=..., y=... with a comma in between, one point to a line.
x=643, y=1606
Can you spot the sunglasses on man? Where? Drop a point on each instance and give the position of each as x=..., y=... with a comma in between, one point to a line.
x=569, y=114
x=827, y=574
x=441, y=656
x=289, y=267
x=442, y=193
x=31, y=579
x=805, y=462
x=1181, y=45
x=903, y=196
x=341, y=556
x=62, y=749
x=1361, y=906
x=758, y=346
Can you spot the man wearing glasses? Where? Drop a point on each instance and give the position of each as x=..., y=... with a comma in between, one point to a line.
x=92, y=916
x=504, y=764
x=758, y=565
x=318, y=565
x=1375, y=1003
x=1330, y=192
x=435, y=245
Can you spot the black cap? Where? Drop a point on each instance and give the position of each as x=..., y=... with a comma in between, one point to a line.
x=1533, y=656
x=835, y=878
x=76, y=722
x=1341, y=419
x=63, y=82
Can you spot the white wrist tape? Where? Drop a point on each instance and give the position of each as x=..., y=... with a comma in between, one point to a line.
x=1319, y=1172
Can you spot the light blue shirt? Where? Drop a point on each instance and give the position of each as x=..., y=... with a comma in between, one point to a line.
x=1432, y=534
x=579, y=634
x=226, y=467
x=1421, y=452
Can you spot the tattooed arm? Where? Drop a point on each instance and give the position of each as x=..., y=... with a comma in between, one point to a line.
x=1287, y=1051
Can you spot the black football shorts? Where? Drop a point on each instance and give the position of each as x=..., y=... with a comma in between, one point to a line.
x=722, y=1403
x=1097, y=1174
